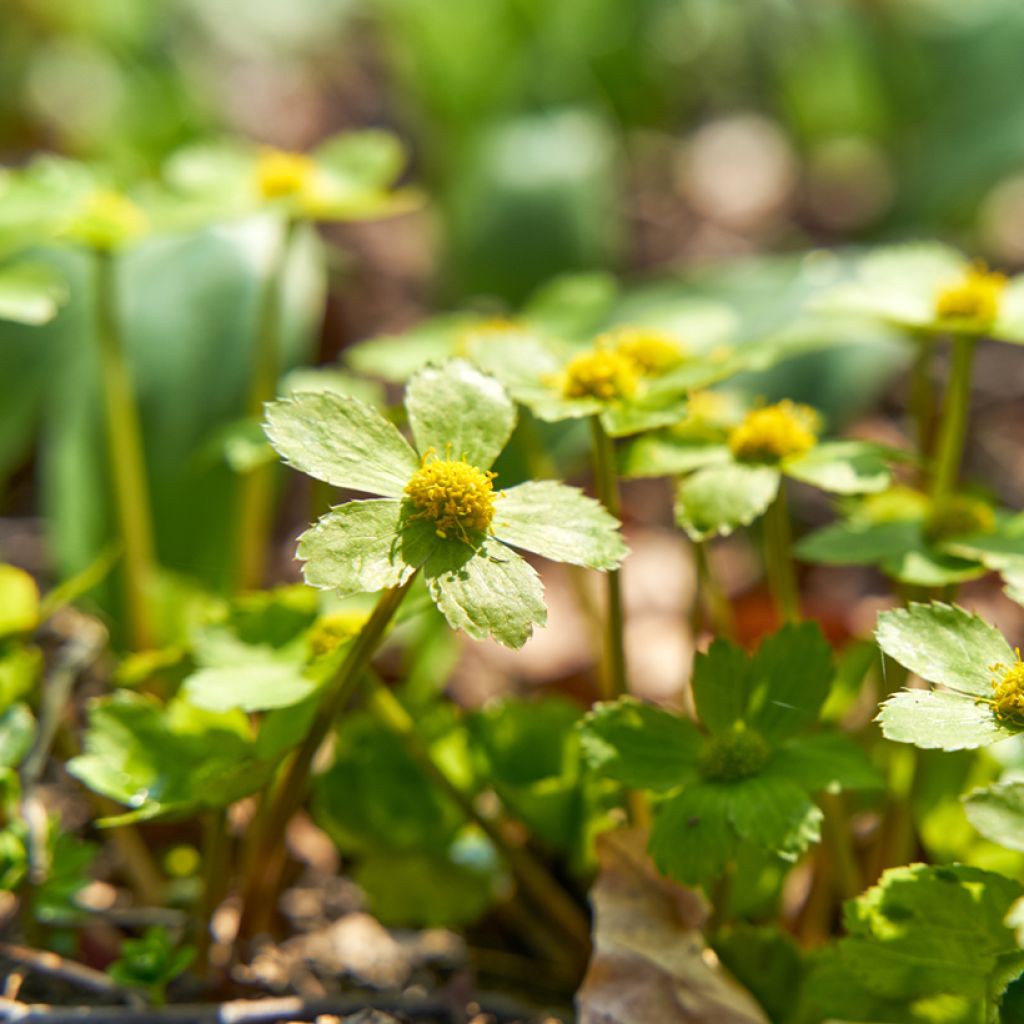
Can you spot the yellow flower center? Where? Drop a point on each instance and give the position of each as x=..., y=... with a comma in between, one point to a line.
x=332, y=630
x=775, y=432
x=107, y=220
x=651, y=352
x=958, y=517
x=600, y=373
x=455, y=495
x=280, y=173
x=1008, y=698
x=974, y=297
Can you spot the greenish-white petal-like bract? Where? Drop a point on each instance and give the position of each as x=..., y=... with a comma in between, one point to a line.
x=941, y=720
x=774, y=813
x=487, y=590
x=460, y=413
x=663, y=453
x=396, y=357
x=342, y=442
x=358, y=548
x=256, y=687
x=692, y=839
x=560, y=523
x=842, y=467
x=717, y=499
x=640, y=745
x=944, y=644
x=997, y=812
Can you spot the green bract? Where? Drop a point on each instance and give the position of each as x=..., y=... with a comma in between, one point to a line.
x=901, y=533
x=751, y=777
x=460, y=419
x=567, y=308
x=963, y=656
x=349, y=176
x=902, y=285
x=31, y=293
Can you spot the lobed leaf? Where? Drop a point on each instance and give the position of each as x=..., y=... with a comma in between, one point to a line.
x=717, y=499
x=938, y=719
x=997, y=812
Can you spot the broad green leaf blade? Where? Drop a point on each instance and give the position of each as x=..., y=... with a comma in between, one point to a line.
x=790, y=677
x=944, y=644
x=31, y=293
x=640, y=745
x=341, y=441
x=396, y=357
x=852, y=543
x=360, y=162
x=359, y=548
x=997, y=812
x=842, y=467
x=621, y=419
x=256, y=687
x=522, y=364
x=774, y=813
x=717, y=499
x=17, y=734
x=927, y=566
x=487, y=591
x=560, y=523
x=721, y=686
x=938, y=719
x=995, y=550
x=827, y=762
x=571, y=305
x=691, y=839
x=663, y=453
x=459, y=413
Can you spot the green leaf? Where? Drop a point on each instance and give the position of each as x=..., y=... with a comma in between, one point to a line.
x=396, y=357
x=363, y=161
x=944, y=644
x=766, y=962
x=362, y=547
x=17, y=734
x=721, y=686
x=559, y=522
x=571, y=305
x=255, y=687
x=642, y=413
x=773, y=813
x=827, y=762
x=717, y=499
x=939, y=719
x=20, y=667
x=842, y=467
x=856, y=543
x=19, y=601
x=487, y=591
x=640, y=745
x=341, y=441
x=691, y=839
x=31, y=293
x=663, y=453
x=927, y=566
x=997, y=812
x=790, y=677
x=459, y=413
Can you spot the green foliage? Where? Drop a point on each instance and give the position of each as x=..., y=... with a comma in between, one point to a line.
x=997, y=812
x=151, y=962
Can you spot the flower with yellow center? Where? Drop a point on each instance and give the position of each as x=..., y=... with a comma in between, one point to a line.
x=652, y=352
x=280, y=173
x=1008, y=691
x=457, y=497
x=605, y=374
x=975, y=297
x=775, y=432
x=107, y=220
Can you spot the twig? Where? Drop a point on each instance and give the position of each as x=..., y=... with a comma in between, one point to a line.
x=43, y=961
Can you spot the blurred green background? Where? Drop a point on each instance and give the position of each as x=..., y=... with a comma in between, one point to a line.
x=645, y=137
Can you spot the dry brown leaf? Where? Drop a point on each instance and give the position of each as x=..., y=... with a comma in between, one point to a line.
x=650, y=964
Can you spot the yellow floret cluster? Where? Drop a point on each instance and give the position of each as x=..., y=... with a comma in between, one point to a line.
x=1008, y=698
x=108, y=219
x=974, y=297
x=601, y=373
x=457, y=496
x=280, y=173
x=775, y=432
x=332, y=630
x=652, y=352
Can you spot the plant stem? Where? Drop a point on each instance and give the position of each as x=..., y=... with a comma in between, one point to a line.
x=615, y=683
x=265, y=851
x=256, y=487
x=215, y=863
x=838, y=848
x=954, y=424
x=126, y=453
x=778, y=557
x=532, y=876
x=922, y=401
x=710, y=594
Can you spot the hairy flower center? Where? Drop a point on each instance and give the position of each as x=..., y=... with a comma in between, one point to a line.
x=974, y=297
x=455, y=495
x=960, y=516
x=280, y=173
x=601, y=373
x=1008, y=698
x=735, y=755
x=330, y=631
x=651, y=352
x=775, y=432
